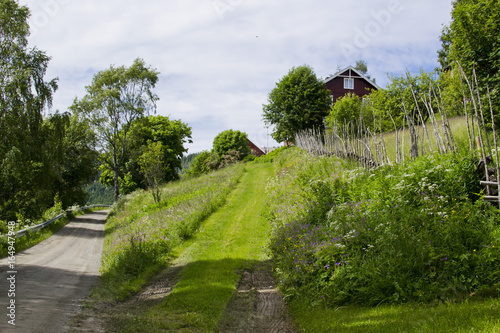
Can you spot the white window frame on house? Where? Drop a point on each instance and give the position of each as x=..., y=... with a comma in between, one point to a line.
x=348, y=83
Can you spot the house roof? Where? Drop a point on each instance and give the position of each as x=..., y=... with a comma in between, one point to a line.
x=339, y=74
x=255, y=147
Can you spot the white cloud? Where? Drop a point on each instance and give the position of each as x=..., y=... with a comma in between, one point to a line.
x=220, y=58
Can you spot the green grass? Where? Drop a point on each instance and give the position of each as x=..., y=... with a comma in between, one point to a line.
x=458, y=127
x=309, y=287
x=474, y=316
x=230, y=240
x=140, y=235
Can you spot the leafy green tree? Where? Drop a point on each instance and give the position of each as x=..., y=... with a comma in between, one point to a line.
x=345, y=111
x=199, y=165
x=24, y=95
x=70, y=146
x=405, y=92
x=231, y=140
x=153, y=168
x=115, y=99
x=472, y=39
x=363, y=68
x=299, y=101
x=172, y=134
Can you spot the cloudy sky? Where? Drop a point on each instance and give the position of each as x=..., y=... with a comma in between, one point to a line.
x=219, y=59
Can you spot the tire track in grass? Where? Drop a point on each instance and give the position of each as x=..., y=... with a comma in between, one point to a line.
x=230, y=241
x=201, y=291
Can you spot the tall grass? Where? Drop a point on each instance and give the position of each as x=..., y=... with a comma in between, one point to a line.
x=139, y=234
x=458, y=128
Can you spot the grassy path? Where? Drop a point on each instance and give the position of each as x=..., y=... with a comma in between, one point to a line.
x=231, y=240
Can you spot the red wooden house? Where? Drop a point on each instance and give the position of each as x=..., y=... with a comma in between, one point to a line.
x=255, y=150
x=349, y=80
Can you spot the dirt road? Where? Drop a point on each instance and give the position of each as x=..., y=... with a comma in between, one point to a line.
x=52, y=277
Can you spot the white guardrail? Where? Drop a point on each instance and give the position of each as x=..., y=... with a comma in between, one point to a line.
x=23, y=232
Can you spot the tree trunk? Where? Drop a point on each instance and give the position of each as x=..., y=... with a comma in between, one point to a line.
x=116, y=183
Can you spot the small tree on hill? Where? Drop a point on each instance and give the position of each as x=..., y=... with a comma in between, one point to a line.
x=153, y=169
x=231, y=140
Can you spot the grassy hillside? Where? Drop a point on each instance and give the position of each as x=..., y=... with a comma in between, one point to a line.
x=383, y=250
x=140, y=235
x=402, y=248
x=458, y=126
x=206, y=232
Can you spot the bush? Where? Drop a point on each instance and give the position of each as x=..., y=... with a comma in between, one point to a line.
x=230, y=140
x=418, y=232
x=200, y=164
x=345, y=111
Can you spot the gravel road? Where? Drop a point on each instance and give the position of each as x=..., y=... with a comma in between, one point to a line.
x=52, y=277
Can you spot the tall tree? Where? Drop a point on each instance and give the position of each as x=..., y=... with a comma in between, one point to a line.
x=299, y=101
x=24, y=95
x=114, y=100
x=70, y=149
x=473, y=39
x=153, y=168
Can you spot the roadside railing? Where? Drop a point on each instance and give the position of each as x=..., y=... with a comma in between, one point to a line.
x=23, y=232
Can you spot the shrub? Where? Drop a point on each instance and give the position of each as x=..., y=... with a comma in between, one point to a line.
x=415, y=232
x=231, y=140
x=200, y=164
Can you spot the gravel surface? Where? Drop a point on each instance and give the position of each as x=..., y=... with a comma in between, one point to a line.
x=53, y=276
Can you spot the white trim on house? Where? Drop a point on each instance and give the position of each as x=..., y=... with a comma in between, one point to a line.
x=351, y=69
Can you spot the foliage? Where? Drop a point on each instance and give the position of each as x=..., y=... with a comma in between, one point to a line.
x=70, y=146
x=24, y=95
x=114, y=100
x=186, y=161
x=152, y=167
x=172, y=134
x=412, y=233
x=362, y=67
x=269, y=157
x=299, y=101
x=345, y=111
x=231, y=140
x=472, y=40
x=99, y=194
x=141, y=234
x=411, y=93
x=199, y=164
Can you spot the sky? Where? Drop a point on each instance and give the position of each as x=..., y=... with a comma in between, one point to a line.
x=219, y=59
